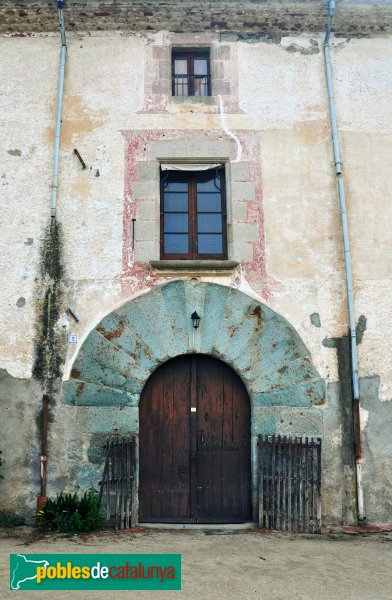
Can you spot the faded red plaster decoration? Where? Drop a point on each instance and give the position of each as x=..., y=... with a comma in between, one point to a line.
x=136, y=276
x=231, y=80
x=156, y=89
x=255, y=271
x=140, y=277
x=236, y=277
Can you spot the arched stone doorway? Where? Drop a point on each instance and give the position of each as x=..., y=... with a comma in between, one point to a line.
x=194, y=449
x=128, y=345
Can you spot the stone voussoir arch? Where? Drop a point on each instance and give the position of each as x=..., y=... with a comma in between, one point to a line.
x=125, y=348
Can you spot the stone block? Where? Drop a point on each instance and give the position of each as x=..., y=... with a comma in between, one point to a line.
x=193, y=149
x=146, y=231
x=165, y=69
x=239, y=171
x=263, y=420
x=240, y=251
x=74, y=450
x=96, y=450
x=299, y=422
x=143, y=190
x=161, y=52
x=195, y=39
x=85, y=393
x=196, y=101
x=242, y=191
x=104, y=420
x=239, y=212
x=222, y=87
x=148, y=210
x=304, y=395
x=217, y=69
x=222, y=52
x=245, y=232
x=162, y=86
x=253, y=452
x=145, y=251
x=89, y=476
x=147, y=171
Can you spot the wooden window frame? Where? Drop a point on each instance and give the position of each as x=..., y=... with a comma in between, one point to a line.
x=190, y=55
x=192, y=177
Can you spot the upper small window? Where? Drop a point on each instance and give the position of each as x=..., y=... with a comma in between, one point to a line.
x=191, y=73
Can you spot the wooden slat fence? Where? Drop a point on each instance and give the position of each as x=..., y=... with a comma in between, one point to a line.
x=118, y=485
x=289, y=483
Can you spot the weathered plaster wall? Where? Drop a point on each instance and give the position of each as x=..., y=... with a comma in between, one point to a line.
x=20, y=400
x=278, y=101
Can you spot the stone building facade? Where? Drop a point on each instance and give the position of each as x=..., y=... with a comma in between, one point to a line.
x=89, y=305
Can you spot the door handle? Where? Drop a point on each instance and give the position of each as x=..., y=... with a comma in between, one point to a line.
x=201, y=437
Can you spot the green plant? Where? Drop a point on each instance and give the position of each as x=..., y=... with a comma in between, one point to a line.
x=9, y=519
x=70, y=514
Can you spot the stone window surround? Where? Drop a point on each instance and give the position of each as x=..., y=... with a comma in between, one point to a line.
x=158, y=75
x=168, y=152
x=144, y=151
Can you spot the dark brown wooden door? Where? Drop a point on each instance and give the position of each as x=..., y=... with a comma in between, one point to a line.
x=194, y=444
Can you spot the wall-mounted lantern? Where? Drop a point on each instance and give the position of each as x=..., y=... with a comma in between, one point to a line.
x=195, y=320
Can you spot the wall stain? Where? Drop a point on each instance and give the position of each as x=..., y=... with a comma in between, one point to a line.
x=360, y=328
x=342, y=346
x=111, y=335
x=15, y=152
x=78, y=120
x=315, y=319
x=256, y=312
x=312, y=49
x=48, y=347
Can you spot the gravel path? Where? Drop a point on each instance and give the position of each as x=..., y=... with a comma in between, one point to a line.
x=234, y=565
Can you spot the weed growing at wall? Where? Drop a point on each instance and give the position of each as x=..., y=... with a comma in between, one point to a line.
x=9, y=519
x=70, y=514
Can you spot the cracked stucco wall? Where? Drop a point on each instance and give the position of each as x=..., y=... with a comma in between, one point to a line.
x=279, y=97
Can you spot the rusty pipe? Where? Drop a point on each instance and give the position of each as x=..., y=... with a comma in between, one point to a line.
x=44, y=451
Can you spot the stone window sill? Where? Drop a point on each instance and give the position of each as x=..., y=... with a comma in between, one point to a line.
x=210, y=100
x=218, y=267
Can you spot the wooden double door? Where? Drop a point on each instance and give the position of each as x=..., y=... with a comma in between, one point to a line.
x=194, y=444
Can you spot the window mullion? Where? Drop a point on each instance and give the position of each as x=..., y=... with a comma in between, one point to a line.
x=191, y=82
x=193, y=218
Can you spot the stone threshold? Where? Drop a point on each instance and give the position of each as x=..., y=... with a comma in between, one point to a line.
x=226, y=527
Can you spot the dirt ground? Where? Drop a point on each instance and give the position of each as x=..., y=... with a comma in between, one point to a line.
x=233, y=565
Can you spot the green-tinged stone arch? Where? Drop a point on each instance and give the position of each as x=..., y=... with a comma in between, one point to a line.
x=123, y=350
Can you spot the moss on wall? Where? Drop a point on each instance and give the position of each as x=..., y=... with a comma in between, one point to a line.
x=49, y=355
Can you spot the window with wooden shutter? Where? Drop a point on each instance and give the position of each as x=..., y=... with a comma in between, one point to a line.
x=193, y=215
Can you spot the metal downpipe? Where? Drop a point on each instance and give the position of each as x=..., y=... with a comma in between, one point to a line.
x=63, y=54
x=349, y=277
x=53, y=209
